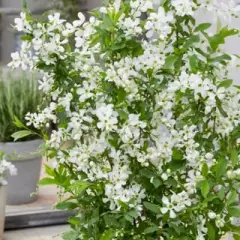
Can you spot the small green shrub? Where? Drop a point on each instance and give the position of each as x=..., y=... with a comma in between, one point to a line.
x=18, y=95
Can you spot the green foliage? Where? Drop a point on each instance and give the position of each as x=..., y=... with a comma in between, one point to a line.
x=18, y=95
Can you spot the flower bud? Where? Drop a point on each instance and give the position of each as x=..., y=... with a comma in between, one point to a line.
x=231, y=174
x=212, y=215
x=209, y=156
x=164, y=177
x=169, y=171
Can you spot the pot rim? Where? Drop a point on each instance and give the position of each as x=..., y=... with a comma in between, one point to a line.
x=33, y=154
x=21, y=142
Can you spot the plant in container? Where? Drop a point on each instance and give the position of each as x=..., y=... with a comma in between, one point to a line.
x=19, y=95
x=5, y=167
x=153, y=114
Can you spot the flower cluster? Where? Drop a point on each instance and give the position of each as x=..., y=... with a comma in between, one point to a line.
x=6, y=167
x=147, y=137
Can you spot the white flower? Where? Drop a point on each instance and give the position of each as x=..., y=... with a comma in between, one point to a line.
x=86, y=91
x=22, y=24
x=66, y=101
x=46, y=83
x=168, y=207
x=159, y=23
x=6, y=167
x=55, y=19
x=79, y=22
x=68, y=30
x=184, y=7
x=103, y=10
x=107, y=117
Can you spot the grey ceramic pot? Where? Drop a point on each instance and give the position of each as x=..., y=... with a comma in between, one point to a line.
x=26, y=156
x=3, y=193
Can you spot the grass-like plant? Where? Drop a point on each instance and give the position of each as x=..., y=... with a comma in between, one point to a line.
x=18, y=95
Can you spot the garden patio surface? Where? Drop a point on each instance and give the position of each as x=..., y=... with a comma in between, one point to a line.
x=46, y=233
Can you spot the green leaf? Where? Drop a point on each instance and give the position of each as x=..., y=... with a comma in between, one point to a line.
x=21, y=134
x=234, y=157
x=121, y=95
x=202, y=27
x=18, y=123
x=215, y=41
x=205, y=188
x=107, y=235
x=211, y=232
x=221, y=168
x=193, y=39
x=152, y=207
x=232, y=198
x=147, y=173
x=221, y=193
x=205, y=170
x=225, y=32
x=50, y=171
x=107, y=22
x=128, y=218
x=169, y=62
x=122, y=114
x=27, y=38
x=74, y=221
x=156, y=182
x=66, y=205
x=177, y=155
x=219, y=106
x=79, y=186
x=226, y=83
x=133, y=213
x=193, y=61
x=71, y=235
x=221, y=59
x=234, y=211
x=48, y=181
x=236, y=236
x=219, y=38
x=153, y=228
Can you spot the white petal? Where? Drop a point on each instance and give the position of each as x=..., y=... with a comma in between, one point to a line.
x=165, y=200
x=172, y=214
x=164, y=210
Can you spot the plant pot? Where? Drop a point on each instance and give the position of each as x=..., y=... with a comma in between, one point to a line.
x=27, y=159
x=3, y=196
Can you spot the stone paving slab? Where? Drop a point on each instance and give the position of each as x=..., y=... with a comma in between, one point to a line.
x=46, y=233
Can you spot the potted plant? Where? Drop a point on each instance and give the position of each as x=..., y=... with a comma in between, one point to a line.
x=153, y=114
x=5, y=167
x=18, y=96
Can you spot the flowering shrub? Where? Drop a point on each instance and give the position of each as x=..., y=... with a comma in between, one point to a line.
x=144, y=100
x=5, y=167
